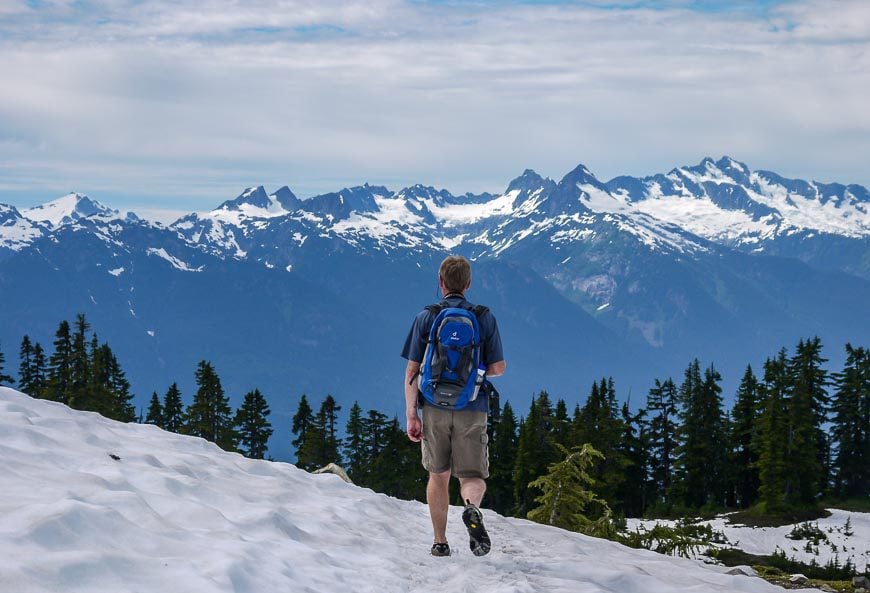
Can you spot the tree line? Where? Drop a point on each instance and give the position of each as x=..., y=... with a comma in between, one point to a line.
x=796, y=433
x=86, y=375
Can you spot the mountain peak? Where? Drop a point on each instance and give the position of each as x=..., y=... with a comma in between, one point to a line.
x=581, y=175
x=287, y=198
x=529, y=180
x=252, y=196
x=67, y=209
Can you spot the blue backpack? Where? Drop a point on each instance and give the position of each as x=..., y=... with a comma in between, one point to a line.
x=451, y=373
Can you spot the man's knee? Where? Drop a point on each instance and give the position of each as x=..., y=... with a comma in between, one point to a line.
x=441, y=478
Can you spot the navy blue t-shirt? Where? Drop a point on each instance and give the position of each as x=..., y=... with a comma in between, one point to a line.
x=490, y=351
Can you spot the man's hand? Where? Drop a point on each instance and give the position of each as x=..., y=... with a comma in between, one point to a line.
x=415, y=428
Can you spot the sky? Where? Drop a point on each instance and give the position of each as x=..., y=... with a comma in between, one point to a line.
x=179, y=105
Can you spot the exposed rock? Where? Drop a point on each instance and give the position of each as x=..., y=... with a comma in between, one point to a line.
x=798, y=579
x=334, y=469
x=743, y=570
x=861, y=581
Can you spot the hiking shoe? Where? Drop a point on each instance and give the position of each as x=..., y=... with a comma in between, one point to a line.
x=478, y=538
x=440, y=549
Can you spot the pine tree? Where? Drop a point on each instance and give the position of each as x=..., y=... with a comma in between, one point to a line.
x=599, y=425
x=173, y=411
x=396, y=470
x=60, y=366
x=4, y=378
x=771, y=435
x=565, y=500
x=502, y=461
x=662, y=408
x=155, y=412
x=808, y=403
x=744, y=423
x=25, y=367
x=99, y=397
x=535, y=451
x=38, y=371
x=851, y=425
x=354, y=446
x=701, y=454
x=253, y=425
x=123, y=409
x=303, y=421
x=633, y=493
x=327, y=418
x=209, y=416
x=80, y=367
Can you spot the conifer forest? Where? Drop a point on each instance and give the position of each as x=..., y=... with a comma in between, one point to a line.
x=797, y=433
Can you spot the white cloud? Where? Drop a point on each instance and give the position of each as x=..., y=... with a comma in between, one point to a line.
x=184, y=99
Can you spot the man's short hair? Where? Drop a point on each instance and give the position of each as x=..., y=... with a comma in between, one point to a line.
x=456, y=273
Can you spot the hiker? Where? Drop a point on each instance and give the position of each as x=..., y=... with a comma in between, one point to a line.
x=444, y=383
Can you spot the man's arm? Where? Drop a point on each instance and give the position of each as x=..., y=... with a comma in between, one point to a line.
x=495, y=369
x=414, y=427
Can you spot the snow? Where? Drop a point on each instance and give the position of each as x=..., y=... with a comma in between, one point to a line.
x=175, y=513
x=176, y=263
x=17, y=233
x=767, y=540
x=55, y=211
x=456, y=214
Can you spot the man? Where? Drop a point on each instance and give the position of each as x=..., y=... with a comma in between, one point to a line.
x=453, y=442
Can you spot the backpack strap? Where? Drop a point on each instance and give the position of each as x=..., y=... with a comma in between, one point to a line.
x=479, y=311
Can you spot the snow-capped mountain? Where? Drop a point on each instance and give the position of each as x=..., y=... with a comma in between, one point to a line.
x=92, y=505
x=631, y=278
x=827, y=224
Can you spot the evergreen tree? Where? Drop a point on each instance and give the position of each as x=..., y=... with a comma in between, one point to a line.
x=565, y=500
x=209, y=416
x=535, y=451
x=701, y=454
x=502, y=461
x=374, y=429
x=327, y=418
x=123, y=409
x=771, y=435
x=743, y=427
x=173, y=411
x=80, y=367
x=98, y=396
x=634, y=491
x=155, y=412
x=354, y=446
x=851, y=425
x=599, y=425
x=254, y=427
x=303, y=421
x=60, y=366
x=25, y=367
x=808, y=403
x=4, y=378
x=662, y=407
x=396, y=470
x=38, y=372
x=562, y=428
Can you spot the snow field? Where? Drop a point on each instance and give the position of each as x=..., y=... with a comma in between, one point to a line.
x=176, y=513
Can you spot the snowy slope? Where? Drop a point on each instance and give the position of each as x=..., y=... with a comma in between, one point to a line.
x=175, y=513
x=767, y=540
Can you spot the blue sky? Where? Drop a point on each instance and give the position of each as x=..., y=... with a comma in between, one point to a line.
x=180, y=105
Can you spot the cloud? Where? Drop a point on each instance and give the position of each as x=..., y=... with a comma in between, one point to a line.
x=189, y=102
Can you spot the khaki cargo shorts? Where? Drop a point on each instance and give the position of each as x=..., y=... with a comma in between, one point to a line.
x=455, y=441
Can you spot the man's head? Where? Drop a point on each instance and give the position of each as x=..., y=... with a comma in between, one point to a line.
x=455, y=274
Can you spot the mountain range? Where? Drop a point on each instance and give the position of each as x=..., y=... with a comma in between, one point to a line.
x=632, y=277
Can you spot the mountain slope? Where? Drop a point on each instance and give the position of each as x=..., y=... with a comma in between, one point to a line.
x=176, y=513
